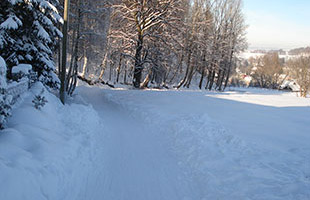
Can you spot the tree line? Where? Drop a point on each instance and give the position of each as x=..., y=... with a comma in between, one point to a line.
x=140, y=42
x=143, y=43
x=156, y=43
x=271, y=71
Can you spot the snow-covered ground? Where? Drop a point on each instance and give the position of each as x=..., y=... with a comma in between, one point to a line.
x=127, y=144
x=46, y=154
x=247, y=55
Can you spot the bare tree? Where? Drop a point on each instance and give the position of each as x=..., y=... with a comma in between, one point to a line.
x=142, y=19
x=267, y=71
x=300, y=71
x=161, y=42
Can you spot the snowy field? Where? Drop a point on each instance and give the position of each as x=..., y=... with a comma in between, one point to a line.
x=247, y=55
x=127, y=144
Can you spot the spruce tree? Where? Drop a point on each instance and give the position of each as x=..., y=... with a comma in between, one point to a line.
x=5, y=99
x=9, y=23
x=32, y=36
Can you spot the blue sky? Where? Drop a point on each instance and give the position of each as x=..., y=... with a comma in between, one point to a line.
x=278, y=23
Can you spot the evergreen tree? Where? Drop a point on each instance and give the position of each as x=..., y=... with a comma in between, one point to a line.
x=30, y=27
x=5, y=99
x=9, y=23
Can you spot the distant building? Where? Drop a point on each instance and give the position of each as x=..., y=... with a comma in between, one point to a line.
x=290, y=85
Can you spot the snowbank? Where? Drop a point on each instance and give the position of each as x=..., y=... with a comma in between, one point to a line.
x=22, y=68
x=47, y=154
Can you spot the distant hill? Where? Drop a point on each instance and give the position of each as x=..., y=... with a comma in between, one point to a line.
x=279, y=51
x=286, y=54
x=299, y=51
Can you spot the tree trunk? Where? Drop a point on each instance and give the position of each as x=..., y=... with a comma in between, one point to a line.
x=211, y=80
x=217, y=84
x=227, y=78
x=138, y=63
x=72, y=77
x=84, y=65
x=103, y=66
x=178, y=69
x=187, y=70
x=221, y=79
x=59, y=56
x=125, y=75
x=202, y=77
x=229, y=68
x=110, y=71
x=119, y=68
x=189, y=77
x=166, y=76
x=146, y=81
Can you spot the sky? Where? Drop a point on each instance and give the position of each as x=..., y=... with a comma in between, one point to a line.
x=275, y=24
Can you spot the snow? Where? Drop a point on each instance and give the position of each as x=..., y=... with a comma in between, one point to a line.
x=2, y=64
x=246, y=55
x=11, y=23
x=42, y=32
x=22, y=68
x=265, y=97
x=46, y=154
x=290, y=85
x=47, y=5
x=17, y=89
x=158, y=144
x=235, y=149
x=2, y=73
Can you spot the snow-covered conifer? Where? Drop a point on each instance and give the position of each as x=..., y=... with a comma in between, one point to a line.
x=30, y=27
x=9, y=23
x=5, y=108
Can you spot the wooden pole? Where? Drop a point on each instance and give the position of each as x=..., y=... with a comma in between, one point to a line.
x=64, y=53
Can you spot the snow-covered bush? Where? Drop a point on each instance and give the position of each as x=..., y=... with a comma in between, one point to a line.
x=28, y=34
x=5, y=99
x=39, y=100
x=20, y=71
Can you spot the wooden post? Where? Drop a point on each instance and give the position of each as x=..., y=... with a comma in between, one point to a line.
x=64, y=53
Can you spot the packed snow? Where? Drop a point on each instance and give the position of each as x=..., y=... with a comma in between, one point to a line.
x=22, y=68
x=158, y=144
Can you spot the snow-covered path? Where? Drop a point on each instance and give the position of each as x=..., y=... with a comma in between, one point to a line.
x=195, y=145
x=133, y=161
